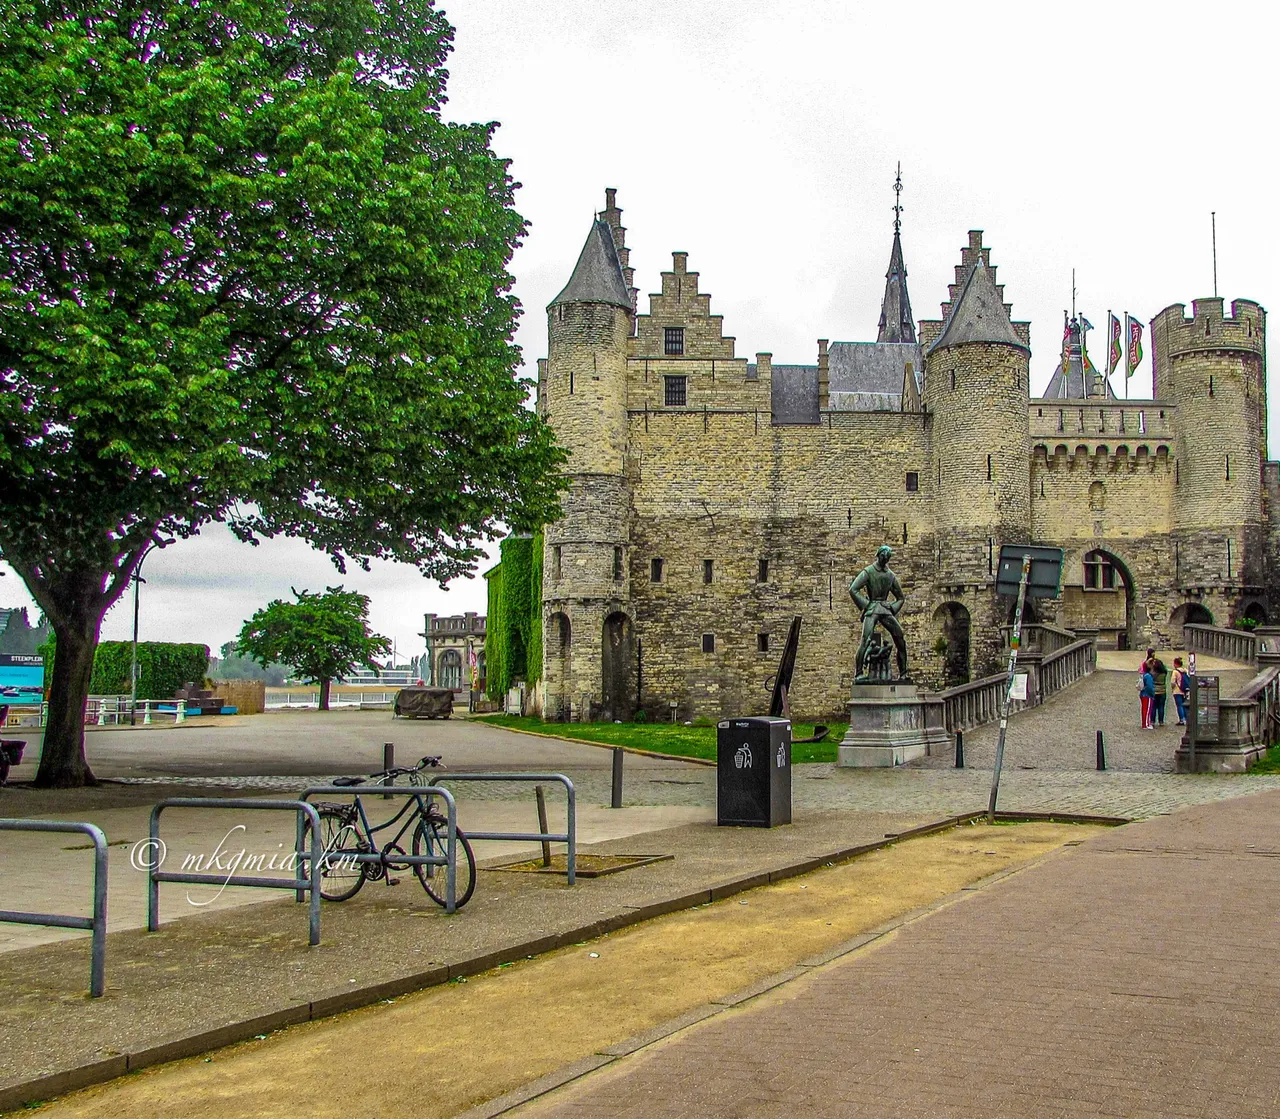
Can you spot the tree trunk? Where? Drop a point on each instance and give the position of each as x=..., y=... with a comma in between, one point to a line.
x=62, y=760
x=324, y=693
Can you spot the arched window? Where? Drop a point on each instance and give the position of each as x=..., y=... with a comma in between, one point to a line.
x=451, y=669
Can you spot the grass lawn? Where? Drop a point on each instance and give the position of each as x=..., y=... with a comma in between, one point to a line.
x=667, y=738
x=1267, y=764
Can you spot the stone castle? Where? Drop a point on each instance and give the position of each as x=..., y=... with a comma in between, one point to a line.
x=712, y=498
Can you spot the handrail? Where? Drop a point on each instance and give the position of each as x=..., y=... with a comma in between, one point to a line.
x=449, y=860
x=98, y=922
x=156, y=850
x=569, y=836
x=1217, y=641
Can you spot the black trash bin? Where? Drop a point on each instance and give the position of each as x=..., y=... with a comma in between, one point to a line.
x=753, y=787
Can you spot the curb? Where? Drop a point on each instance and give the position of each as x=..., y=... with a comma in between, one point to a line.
x=87, y=1075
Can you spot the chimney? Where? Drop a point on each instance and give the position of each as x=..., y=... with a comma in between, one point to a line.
x=824, y=377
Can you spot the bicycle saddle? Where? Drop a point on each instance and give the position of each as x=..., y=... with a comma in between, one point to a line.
x=348, y=780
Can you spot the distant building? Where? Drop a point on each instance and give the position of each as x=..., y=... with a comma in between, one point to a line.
x=450, y=642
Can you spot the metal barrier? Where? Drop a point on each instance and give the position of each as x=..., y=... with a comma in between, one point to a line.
x=155, y=875
x=449, y=860
x=98, y=922
x=570, y=836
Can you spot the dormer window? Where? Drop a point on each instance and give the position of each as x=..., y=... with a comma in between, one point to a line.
x=673, y=341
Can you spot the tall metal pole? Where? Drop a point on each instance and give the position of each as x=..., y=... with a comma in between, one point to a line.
x=1213, y=225
x=1014, y=641
x=133, y=658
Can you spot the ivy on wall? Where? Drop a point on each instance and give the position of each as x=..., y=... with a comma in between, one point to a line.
x=513, y=630
x=163, y=667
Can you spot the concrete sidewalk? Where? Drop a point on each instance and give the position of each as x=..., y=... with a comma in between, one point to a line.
x=1132, y=976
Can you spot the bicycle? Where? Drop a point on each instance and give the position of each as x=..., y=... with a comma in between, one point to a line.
x=345, y=830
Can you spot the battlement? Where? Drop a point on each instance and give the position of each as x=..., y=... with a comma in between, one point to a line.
x=1174, y=333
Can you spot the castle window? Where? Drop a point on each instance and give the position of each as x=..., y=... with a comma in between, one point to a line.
x=617, y=562
x=1061, y=421
x=1210, y=384
x=677, y=393
x=708, y=642
x=762, y=572
x=1099, y=573
x=913, y=481
x=655, y=570
x=988, y=468
x=673, y=341
x=555, y=561
x=953, y=380
x=707, y=568
x=1228, y=468
x=762, y=642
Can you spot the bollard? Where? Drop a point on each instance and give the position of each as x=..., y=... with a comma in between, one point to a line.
x=388, y=762
x=180, y=712
x=102, y=714
x=616, y=800
x=146, y=712
x=541, y=797
x=1102, y=753
x=959, y=749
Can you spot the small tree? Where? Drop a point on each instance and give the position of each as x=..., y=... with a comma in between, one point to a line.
x=322, y=636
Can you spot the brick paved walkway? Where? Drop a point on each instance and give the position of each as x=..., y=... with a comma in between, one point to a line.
x=1130, y=976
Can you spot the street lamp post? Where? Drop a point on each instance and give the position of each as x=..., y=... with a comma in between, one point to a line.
x=133, y=660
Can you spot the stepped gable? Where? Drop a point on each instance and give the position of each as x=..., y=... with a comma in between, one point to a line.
x=976, y=310
x=597, y=277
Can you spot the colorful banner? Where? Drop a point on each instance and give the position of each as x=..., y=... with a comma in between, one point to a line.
x=1085, y=327
x=474, y=662
x=21, y=679
x=1115, y=351
x=1133, y=331
x=1066, y=344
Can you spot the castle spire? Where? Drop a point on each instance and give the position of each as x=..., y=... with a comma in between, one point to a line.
x=597, y=277
x=896, y=323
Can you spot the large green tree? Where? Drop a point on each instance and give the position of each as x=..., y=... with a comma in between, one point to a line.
x=249, y=273
x=321, y=636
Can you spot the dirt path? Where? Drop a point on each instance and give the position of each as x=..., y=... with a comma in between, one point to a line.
x=441, y=1051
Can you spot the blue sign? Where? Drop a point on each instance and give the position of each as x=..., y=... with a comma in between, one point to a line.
x=21, y=678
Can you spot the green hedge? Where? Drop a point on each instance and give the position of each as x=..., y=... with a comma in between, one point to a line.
x=513, y=629
x=163, y=667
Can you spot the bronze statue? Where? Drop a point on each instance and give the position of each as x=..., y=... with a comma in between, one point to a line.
x=879, y=596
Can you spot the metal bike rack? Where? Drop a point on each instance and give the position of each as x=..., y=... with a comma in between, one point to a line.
x=449, y=860
x=155, y=875
x=570, y=837
x=98, y=922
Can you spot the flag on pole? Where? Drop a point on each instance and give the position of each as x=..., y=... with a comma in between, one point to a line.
x=1066, y=344
x=475, y=665
x=1115, y=351
x=1133, y=331
x=1085, y=327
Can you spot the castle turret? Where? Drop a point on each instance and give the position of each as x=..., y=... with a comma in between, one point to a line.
x=1212, y=367
x=583, y=394
x=976, y=390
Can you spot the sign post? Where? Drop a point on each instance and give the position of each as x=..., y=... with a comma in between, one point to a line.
x=1039, y=573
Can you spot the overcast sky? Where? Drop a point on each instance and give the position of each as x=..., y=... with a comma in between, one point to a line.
x=762, y=139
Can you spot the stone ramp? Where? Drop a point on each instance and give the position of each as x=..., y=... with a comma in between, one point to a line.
x=1132, y=975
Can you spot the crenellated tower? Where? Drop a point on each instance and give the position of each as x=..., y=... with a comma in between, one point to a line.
x=976, y=392
x=583, y=395
x=1212, y=367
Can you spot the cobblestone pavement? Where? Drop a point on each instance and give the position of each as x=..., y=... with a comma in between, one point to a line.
x=1129, y=976
x=1061, y=734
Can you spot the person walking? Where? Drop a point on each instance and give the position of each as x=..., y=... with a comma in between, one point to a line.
x=1181, y=687
x=1146, y=694
x=1160, y=675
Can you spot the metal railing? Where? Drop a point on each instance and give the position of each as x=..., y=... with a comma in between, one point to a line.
x=569, y=836
x=1215, y=641
x=449, y=860
x=97, y=924
x=277, y=700
x=156, y=857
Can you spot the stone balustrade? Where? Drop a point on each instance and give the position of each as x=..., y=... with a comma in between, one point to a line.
x=1214, y=641
x=1247, y=723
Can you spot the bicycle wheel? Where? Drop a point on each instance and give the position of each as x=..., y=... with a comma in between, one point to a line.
x=431, y=838
x=340, y=878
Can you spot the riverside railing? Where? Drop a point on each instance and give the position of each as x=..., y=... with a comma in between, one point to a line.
x=1215, y=641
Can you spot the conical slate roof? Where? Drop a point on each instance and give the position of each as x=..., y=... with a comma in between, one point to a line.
x=597, y=277
x=896, y=323
x=1069, y=381
x=978, y=315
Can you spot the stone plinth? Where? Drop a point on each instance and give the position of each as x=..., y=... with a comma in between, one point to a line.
x=888, y=726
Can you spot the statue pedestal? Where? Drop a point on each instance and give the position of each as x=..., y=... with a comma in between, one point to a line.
x=889, y=724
